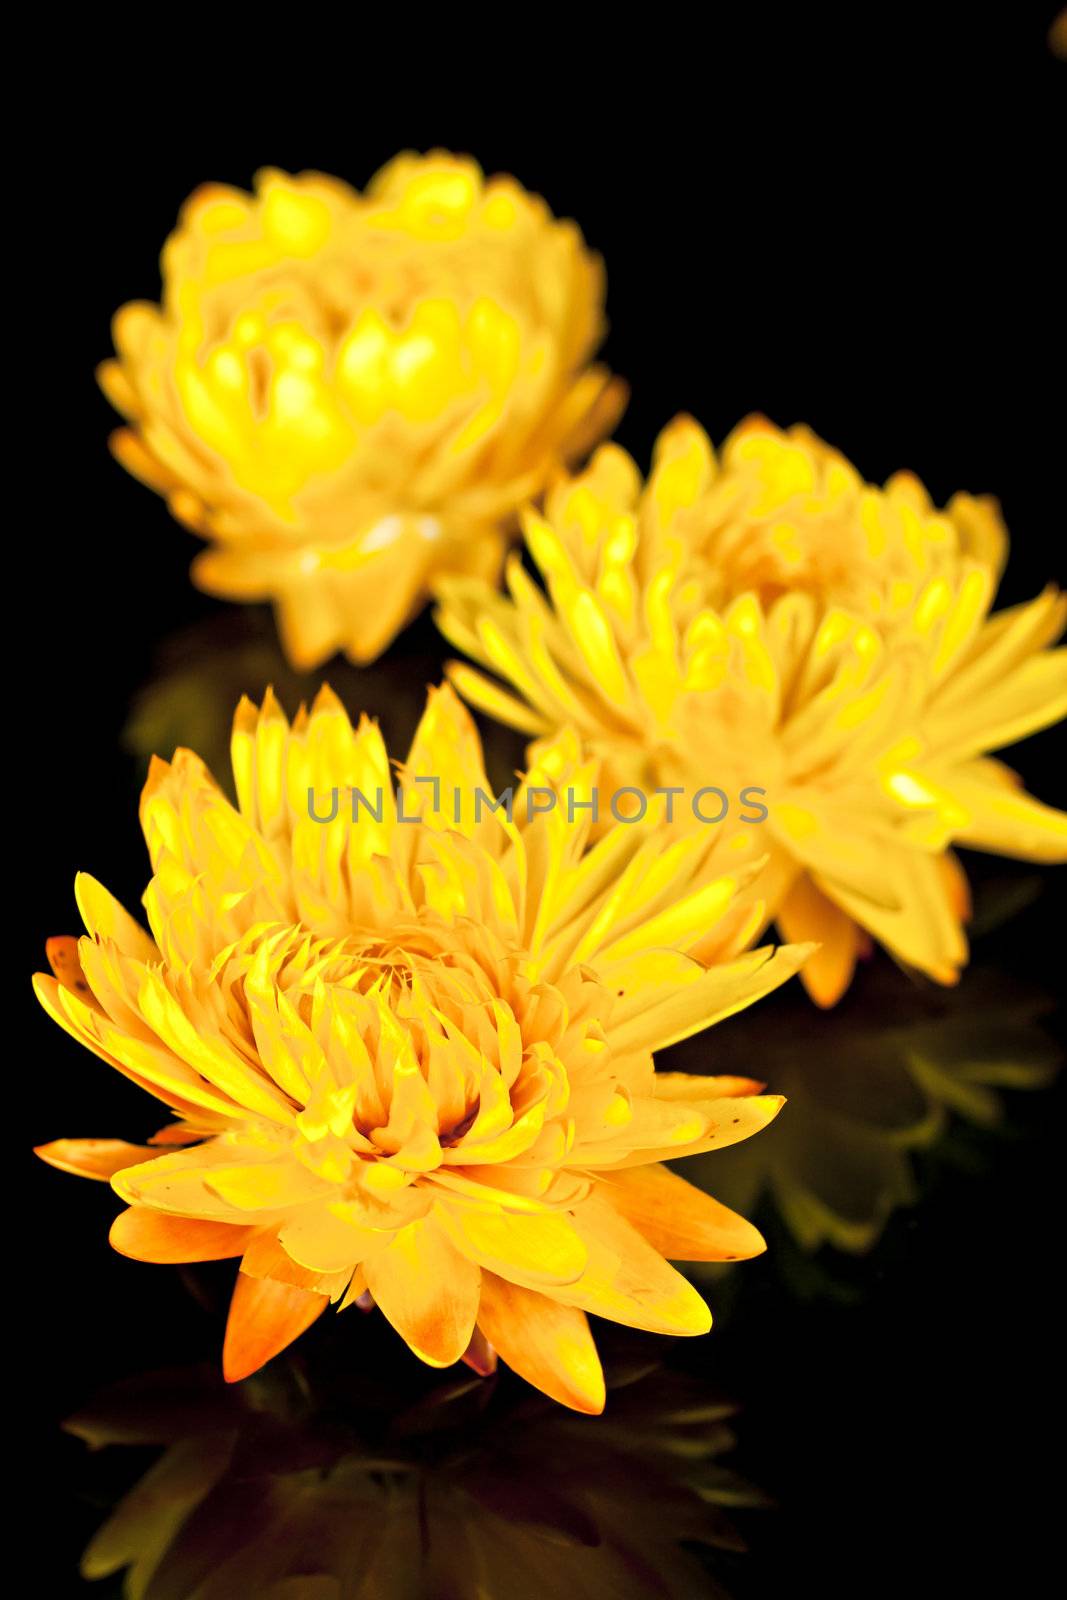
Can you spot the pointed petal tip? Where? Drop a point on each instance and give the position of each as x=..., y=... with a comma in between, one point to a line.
x=246, y=715
x=947, y=976
x=545, y=1341
x=158, y=768
x=691, y=1319
x=754, y=1245
x=327, y=700
x=771, y=1104
x=591, y=1405
x=265, y=1317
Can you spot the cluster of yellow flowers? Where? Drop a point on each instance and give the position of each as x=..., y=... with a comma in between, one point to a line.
x=410, y=1050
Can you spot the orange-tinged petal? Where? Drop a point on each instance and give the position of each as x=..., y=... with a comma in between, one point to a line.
x=627, y=1281
x=265, y=1317
x=319, y=1240
x=545, y=1342
x=679, y=1221
x=691, y=1086
x=63, y=958
x=147, y=1235
x=807, y=914
x=428, y=1290
x=178, y=1133
x=94, y=1158
x=957, y=886
x=266, y=1257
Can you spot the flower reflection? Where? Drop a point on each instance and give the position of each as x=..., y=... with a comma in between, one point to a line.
x=869, y=1086
x=300, y=1487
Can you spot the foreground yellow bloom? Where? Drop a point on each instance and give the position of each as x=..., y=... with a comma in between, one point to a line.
x=414, y=1057
x=349, y=394
x=770, y=621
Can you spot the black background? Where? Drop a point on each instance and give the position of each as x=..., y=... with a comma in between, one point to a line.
x=850, y=225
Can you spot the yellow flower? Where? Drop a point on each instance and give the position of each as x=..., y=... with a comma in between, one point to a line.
x=413, y=1057
x=351, y=393
x=769, y=621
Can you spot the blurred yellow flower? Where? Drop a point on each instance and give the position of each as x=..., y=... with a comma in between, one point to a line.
x=349, y=393
x=767, y=620
x=1057, y=34
x=412, y=1056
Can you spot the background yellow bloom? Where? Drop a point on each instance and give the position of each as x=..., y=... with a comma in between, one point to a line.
x=349, y=393
x=414, y=1058
x=770, y=620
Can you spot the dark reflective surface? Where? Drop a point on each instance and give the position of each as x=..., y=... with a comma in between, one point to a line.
x=822, y=249
x=317, y=1480
x=883, y=1081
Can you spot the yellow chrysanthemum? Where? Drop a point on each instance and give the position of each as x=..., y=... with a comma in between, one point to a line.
x=413, y=1057
x=769, y=621
x=349, y=394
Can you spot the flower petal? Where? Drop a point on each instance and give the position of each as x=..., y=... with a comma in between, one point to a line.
x=627, y=1281
x=545, y=1342
x=534, y=1250
x=94, y=1158
x=147, y=1235
x=177, y=1181
x=806, y=914
x=1006, y=819
x=653, y=1015
x=713, y=1123
x=428, y=1290
x=690, y=1086
x=678, y=1220
x=265, y=1317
